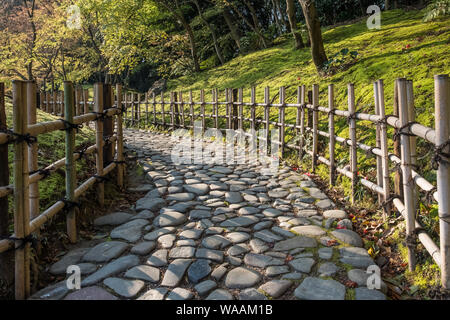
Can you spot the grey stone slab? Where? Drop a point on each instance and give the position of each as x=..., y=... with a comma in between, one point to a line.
x=166, y=241
x=167, y=219
x=56, y=291
x=114, y=267
x=151, y=204
x=325, y=253
x=276, y=288
x=90, y=293
x=183, y=196
x=130, y=231
x=181, y=252
x=113, y=219
x=244, y=221
x=295, y=242
x=199, y=214
x=191, y=234
x=238, y=237
x=71, y=258
x=368, y=294
x=198, y=189
x=220, y=294
x=106, y=251
x=124, y=288
x=251, y=294
x=267, y=236
x=241, y=278
x=205, y=287
x=238, y=249
x=258, y=246
x=336, y=214
x=272, y=212
x=214, y=255
x=302, y=264
x=327, y=269
x=320, y=289
x=261, y=260
x=158, y=232
x=154, y=294
x=143, y=248
x=158, y=259
x=180, y=294
x=143, y=272
x=175, y=272
x=348, y=236
x=199, y=270
x=274, y=271
x=215, y=242
x=310, y=231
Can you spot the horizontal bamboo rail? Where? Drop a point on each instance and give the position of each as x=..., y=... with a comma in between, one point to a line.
x=307, y=123
x=27, y=219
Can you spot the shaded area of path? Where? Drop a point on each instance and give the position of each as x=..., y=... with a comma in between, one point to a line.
x=219, y=232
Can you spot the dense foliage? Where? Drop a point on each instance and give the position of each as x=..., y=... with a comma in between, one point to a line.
x=140, y=41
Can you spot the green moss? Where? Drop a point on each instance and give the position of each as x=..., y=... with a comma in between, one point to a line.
x=350, y=294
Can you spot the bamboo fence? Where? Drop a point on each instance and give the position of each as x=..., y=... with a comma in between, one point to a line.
x=74, y=108
x=234, y=113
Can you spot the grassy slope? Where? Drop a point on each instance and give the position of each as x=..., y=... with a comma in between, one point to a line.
x=380, y=57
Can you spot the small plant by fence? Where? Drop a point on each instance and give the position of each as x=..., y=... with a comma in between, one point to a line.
x=234, y=113
x=73, y=107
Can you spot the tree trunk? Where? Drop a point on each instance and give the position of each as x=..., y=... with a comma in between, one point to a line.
x=387, y=4
x=6, y=258
x=232, y=26
x=282, y=17
x=256, y=24
x=213, y=33
x=277, y=20
x=290, y=10
x=254, y=28
x=315, y=34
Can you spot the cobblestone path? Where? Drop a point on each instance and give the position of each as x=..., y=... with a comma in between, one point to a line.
x=219, y=232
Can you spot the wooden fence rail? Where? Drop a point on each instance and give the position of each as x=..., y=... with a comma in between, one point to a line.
x=73, y=106
x=234, y=113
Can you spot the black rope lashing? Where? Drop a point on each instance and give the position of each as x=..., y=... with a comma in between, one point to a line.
x=107, y=140
x=81, y=152
x=45, y=172
x=391, y=198
x=18, y=138
x=100, y=178
x=429, y=195
x=401, y=132
x=68, y=126
x=69, y=204
x=352, y=116
x=332, y=112
x=440, y=155
x=23, y=241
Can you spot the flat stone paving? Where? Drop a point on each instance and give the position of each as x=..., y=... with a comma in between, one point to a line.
x=203, y=231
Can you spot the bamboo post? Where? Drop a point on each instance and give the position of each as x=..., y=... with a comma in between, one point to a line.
x=378, y=142
x=177, y=109
x=442, y=123
x=78, y=101
x=267, y=115
x=235, y=109
x=352, y=135
x=384, y=149
x=241, y=108
x=154, y=108
x=55, y=103
x=282, y=119
x=216, y=108
x=315, y=125
x=227, y=107
x=332, y=134
x=6, y=258
x=32, y=150
x=61, y=106
x=202, y=109
x=253, y=109
x=162, y=110
x=191, y=107
x=21, y=192
x=146, y=110
x=310, y=112
x=85, y=101
x=47, y=102
x=108, y=125
x=98, y=98
x=412, y=139
x=302, y=121
x=398, y=174
x=172, y=115
x=120, y=158
x=183, y=119
x=70, y=163
x=408, y=182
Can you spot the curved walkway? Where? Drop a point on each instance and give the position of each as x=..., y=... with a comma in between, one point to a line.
x=219, y=232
